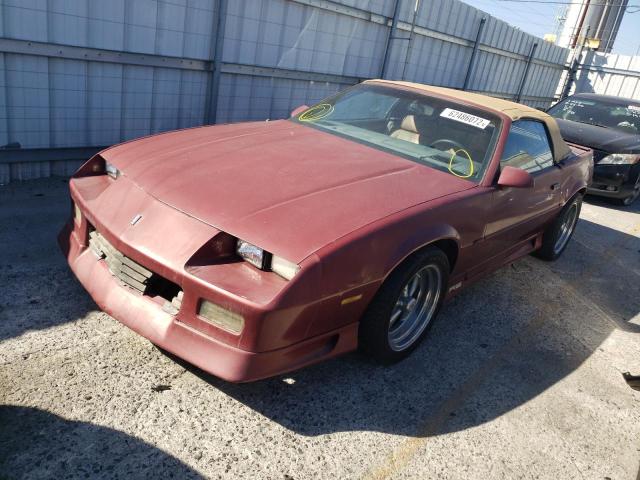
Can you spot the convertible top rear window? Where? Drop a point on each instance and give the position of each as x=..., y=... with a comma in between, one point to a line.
x=442, y=134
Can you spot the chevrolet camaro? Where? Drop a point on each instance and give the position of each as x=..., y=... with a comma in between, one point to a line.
x=253, y=249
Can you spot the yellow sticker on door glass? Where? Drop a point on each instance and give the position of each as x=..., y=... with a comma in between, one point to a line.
x=467, y=118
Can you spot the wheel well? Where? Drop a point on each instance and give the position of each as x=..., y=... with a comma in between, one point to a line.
x=448, y=246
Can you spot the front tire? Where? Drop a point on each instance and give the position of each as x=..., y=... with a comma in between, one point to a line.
x=633, y=196
x=556, y=238
x=403, y=310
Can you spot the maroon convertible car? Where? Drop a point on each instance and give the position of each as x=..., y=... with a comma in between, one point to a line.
x=254, y=249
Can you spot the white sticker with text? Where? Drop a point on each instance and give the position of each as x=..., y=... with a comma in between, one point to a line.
x=467, y=118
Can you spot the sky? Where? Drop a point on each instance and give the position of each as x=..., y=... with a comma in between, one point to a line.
x=540, y=18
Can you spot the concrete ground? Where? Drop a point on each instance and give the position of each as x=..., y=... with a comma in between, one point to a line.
x=520, y=378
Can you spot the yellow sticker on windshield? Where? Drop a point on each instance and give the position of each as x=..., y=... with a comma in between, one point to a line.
x=316, y=113
x=453, y=156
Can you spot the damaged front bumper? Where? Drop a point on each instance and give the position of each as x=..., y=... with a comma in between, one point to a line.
x=613, y=181
x=151, y=289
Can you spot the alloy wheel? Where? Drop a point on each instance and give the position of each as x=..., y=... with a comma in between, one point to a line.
x=569, y=220
x=415, y=307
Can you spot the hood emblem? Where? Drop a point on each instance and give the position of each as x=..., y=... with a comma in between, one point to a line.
x=136, y=219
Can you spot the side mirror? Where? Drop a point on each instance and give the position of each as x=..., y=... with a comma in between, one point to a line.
x=515, y=177
x=299, y=110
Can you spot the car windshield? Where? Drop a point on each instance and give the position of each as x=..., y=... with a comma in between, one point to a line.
x=624, y=117
x=435, y=132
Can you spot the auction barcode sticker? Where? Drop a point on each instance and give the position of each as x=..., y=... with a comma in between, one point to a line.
x=467, y=118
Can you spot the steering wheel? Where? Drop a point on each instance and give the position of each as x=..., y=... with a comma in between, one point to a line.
x=446, y=141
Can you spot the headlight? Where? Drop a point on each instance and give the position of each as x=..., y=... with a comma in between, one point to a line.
x=252, y=254
x=257, y=257
x=221, y=317
x=97, y=165
x=110, y=170
x=620, y=159
x=284, y=268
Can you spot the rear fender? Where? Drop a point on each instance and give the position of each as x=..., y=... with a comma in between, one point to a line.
x=578, y=172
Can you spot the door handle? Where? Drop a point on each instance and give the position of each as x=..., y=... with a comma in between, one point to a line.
x=555, y=186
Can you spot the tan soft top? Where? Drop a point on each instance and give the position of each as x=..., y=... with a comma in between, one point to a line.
x=515, y=111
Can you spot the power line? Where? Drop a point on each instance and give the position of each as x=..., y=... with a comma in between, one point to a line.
x=558, y=2
x=517, y=11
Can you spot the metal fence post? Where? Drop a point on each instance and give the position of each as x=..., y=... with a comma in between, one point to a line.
x=390, y=37
x=211, y=107
x=526, y=72
x=407, y=54
x=474, y=52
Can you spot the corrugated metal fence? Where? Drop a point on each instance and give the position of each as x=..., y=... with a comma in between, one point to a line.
x=608, y=74
x=80, y=74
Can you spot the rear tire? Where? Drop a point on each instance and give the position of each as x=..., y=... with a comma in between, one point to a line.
x=403, y=310
x=556, y=237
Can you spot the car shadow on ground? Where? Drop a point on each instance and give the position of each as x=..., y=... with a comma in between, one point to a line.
x=40, y=299
x=612, y=203
x=43, y=292
x=499, y=344
x=90, y=451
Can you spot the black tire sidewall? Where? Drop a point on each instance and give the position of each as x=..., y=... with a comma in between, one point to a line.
x=374, y=325
x=623, y=200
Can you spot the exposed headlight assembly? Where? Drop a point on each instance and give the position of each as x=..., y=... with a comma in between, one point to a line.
x=252, y=254
x=97, y=166
x=257, y=257
x=110, y=170
x=620, y=159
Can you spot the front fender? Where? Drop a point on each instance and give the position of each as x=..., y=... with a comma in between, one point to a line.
x=420, y=238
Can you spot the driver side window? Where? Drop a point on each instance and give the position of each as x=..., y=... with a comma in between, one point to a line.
x=527, y=147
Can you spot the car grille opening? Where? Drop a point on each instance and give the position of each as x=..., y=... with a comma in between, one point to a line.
x=135, y=276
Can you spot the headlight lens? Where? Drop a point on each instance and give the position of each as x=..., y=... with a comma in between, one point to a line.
x=221, y=317
x=252, y=254
x=620, y=159
x=284, y=268
x=110, y=170
x=257, y=257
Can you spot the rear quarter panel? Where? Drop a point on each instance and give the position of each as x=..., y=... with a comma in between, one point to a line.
x=578, y=171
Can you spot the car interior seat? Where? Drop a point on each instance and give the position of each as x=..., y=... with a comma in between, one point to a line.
x=408, y=130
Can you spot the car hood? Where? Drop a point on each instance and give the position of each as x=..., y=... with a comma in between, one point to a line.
x=288, y=188
x=606, y=139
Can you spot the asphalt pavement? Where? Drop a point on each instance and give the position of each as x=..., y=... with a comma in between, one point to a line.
x=521, y=378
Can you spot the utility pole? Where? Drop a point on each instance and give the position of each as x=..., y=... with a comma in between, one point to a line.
x=575, y=64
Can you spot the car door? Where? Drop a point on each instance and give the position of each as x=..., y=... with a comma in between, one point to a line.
x=518, y=214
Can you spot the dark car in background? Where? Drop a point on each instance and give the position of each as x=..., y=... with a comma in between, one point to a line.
x=611, y=127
